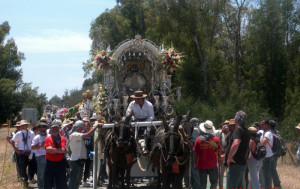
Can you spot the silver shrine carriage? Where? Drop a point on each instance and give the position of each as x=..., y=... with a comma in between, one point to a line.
x=138, y=66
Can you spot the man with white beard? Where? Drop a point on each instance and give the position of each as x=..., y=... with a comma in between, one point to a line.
x=24, y=138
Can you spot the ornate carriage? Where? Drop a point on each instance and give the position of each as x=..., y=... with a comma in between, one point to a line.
x=137, y=66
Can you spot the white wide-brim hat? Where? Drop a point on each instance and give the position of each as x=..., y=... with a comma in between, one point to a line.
x=23, y=122
x=207, y=127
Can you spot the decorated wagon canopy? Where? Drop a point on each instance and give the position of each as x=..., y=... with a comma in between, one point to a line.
x=136, y=64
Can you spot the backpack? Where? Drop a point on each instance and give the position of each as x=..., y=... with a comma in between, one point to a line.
x=260, y=151
x=283, y=147
x=279, y=146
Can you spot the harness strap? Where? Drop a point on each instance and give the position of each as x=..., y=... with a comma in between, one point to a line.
x=25, y=140
x=181, y=139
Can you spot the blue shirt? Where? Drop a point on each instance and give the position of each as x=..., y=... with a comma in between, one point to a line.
x=89, y=142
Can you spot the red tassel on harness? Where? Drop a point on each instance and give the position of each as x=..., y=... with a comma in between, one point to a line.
x=175, y=167
x=129, y=158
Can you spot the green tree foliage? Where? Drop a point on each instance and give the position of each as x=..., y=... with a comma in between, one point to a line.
x=73, y=96
x=11, y=102
x=32, y=99
x=237, y=54
x=10, y=76
x=14, y=95
x=10, y=58
x=55, y=100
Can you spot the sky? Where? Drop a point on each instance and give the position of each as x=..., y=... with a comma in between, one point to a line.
x=54, y=36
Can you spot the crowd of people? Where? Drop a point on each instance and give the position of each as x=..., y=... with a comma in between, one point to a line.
x=246, y=154
x=60, y=152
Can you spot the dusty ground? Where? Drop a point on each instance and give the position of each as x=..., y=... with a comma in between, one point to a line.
x=288, y=172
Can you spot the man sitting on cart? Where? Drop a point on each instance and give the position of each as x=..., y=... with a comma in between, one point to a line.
x=142, y=110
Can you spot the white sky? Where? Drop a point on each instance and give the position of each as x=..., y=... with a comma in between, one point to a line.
x=54, y=36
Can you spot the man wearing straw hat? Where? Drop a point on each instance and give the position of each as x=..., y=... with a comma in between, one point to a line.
x=142, y=110
x=24, y=139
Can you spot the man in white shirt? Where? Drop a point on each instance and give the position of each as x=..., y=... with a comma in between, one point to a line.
x=24, y=138
x=142, y=110
x=38, y=147
x=265, y=175
x=78, y=152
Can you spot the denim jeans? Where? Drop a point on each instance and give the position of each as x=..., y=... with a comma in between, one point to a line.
x=265, y=175
x=41, y=161
x=55, y=171
x=195, y=180
x=275, y=177
x=236, y=176
x=75, y=174
x=254, y=166
x=213, y=177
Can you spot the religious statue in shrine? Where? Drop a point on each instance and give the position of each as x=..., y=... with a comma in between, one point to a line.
x=135, y=80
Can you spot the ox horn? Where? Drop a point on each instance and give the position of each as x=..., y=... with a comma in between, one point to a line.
x=188, y=115
x=165, y=124
x=177, y=122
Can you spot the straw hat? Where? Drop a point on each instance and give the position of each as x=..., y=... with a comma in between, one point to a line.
x=86, y=119
x=207, y=127
x=226, y=122
x=18, y=124
x=66, y=123
x=252, y=130
x=43, y=119
x=72, y=119
x=23, y=122
x=93, y=119
x=55, y=124
x=231, y=122
x=138, y=94
x=42, y=124
x=298, y=126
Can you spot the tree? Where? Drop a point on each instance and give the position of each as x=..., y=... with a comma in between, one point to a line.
x=10, y=58
x=55, y=100
x=11, y=101
x=233, y=15
x=237, y=55
x=10, y=76
x=32, y=99
x=266, y=55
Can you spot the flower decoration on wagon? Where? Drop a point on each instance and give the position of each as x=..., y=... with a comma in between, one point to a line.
x=171, y=60
x=87, y=95
x=102, y=60
x=99, y=105
x=73, y=110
